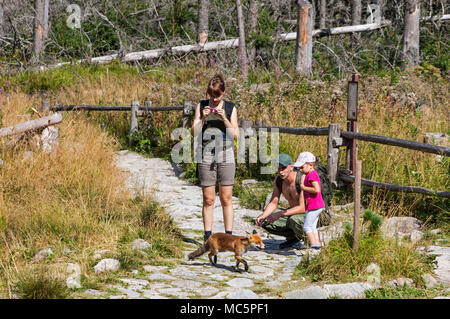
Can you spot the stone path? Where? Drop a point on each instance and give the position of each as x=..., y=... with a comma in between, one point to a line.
x=270, y=273
x=270, y=270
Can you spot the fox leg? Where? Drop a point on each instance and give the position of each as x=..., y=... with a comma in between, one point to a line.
x=213, y=256
x=239, y=260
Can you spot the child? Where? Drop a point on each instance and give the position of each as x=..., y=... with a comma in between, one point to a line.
x=313, y=197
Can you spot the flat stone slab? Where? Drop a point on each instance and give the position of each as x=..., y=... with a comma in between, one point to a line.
x=313, y=292
x=354, y=290
x=240, y=282
x=160, y=276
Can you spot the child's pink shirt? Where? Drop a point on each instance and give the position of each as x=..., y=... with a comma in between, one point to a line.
x=313, y=201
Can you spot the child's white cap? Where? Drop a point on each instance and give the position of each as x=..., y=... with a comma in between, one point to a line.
x=305, y=157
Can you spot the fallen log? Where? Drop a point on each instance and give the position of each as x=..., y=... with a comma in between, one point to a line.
x=31, y=125
x=216, y=45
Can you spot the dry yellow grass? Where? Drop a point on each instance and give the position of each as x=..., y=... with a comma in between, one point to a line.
x=75, y=198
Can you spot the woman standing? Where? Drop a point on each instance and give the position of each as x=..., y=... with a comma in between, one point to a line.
x=219, y=116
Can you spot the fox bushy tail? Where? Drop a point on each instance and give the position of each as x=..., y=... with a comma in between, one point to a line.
x=200, y=251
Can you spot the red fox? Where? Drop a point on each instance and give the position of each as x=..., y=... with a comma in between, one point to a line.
x=219, y=242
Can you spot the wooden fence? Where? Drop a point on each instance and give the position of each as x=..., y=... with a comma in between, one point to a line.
x=337, y=138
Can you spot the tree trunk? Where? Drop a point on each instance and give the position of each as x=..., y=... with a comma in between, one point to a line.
x=203, y=14
x=356, y=20
x=303, y=49
x=252, y=19
x=242, y=46
x=45, y=20
x=2, y=19
x=323, y=13
x=411, y=53
x=39, y=29
x=356, y=12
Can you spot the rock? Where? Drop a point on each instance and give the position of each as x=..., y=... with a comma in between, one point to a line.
x=186, y=284
x=400, y=282
x=43, y=254
x=49, y=139
x=107, y=264
x=135, y=284
x=442, y=270
x=242, y=294
x=93, y=292
x=99, y=253
x=130, y=293
x=249, y=182
x=374, y=274
x=73, y=281
x=440, y=139
x=150, y=268
x=240, y=282
x=400, y=226
x=313, y=292
x=140, y=244
x=429, y=281
x=28, y=155
x=354, y=290
x=415, y=236
x=160, y=276
x=436, y=231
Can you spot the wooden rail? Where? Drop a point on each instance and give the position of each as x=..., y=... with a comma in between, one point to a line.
x=336, y=139
x=58, y=108
x=31, y=125
x=324, y=131
x=343, y=138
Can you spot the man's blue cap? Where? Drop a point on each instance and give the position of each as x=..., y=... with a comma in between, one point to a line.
x=284, y=159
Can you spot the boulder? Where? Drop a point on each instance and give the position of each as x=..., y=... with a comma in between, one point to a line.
x=415, y=236
x=140, y=244
x=429, y=281
x=354, y=290
x=400, y=226
x=400, y=282
x=43, y=254
x=73, y=281
x=99, y=253
x=442, y=270
x=107, y=264
x=374, y=274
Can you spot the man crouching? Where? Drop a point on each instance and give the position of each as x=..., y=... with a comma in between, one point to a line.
x=286, y=222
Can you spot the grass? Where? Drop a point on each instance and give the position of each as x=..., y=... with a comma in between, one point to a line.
x=39, y=284
x=405, y=292
x=337, y=262
x=75, y=198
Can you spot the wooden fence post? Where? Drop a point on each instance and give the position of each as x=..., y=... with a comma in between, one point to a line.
x=45, y=108
x=134, y=117
x=247, y=148
x=148, y=113
x=334, y=141
x=352, y=122
x=357, y=207
x=188, y=111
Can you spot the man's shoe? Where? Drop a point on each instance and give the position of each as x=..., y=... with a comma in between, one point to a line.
x=289, y=243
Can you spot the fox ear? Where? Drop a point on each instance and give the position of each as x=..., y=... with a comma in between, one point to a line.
x=254, y=231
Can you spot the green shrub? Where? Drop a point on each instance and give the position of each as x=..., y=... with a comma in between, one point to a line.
x=39, y=284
